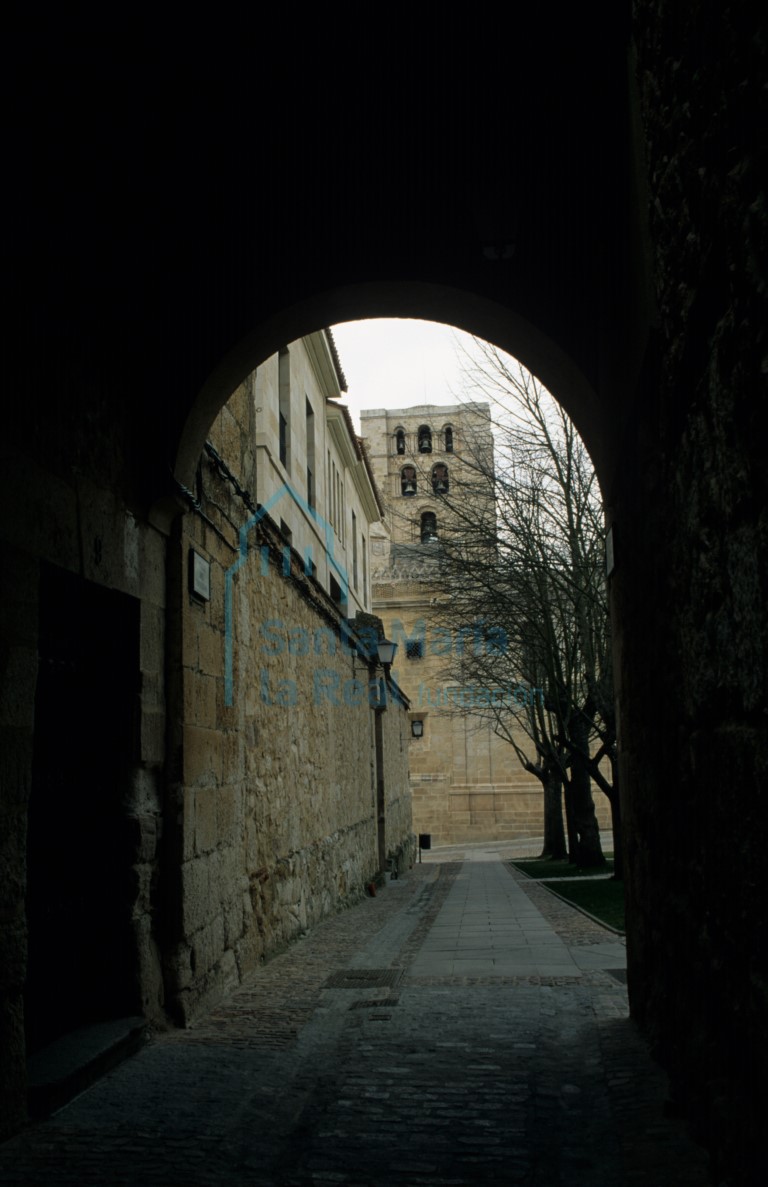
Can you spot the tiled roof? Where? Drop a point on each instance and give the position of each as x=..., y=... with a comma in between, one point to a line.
x=336, y=360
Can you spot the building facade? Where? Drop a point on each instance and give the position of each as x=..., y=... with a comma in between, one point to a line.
x=467, y=782
x=294, y=791
x=307, y=448
x=288, y=789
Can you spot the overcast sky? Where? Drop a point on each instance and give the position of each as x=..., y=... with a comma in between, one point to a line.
x=396, y=363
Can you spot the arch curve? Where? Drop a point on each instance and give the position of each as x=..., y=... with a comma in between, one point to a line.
x=491, y=320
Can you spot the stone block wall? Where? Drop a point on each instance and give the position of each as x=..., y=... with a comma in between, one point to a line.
x=691, y=535
x=232, y=831
x=18, y=669
x=455, y=814
x=467, y=783
x=71, y=516
x=276, y=781
x=399, y=824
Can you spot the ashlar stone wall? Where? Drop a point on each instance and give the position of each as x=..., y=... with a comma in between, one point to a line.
x=467, y=782
x=398, y=806
x=74, y=520
x=275, y=788
x=692, y=536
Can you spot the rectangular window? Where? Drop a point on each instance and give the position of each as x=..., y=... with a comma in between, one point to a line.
x=354, y=550
x=284, y=405
x=310, y=426
x=365, y=575
x=283, y=440
x=336, y=507
x=342, y=511
x=338, y=595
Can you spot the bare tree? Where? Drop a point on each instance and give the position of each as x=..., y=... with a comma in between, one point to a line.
x=522, y=538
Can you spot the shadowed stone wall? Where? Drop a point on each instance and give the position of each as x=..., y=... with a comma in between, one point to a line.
x=18, y=669
x=70, y=522
x=275, y=794
x=202, y=893
x=692, y=536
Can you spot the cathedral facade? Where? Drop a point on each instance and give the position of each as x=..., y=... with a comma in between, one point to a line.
x=467, y=782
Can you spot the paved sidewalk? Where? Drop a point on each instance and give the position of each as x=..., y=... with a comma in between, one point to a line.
x=460, y=1028
x=489, y=926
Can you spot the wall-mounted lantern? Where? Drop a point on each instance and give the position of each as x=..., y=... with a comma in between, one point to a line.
x=386, y=651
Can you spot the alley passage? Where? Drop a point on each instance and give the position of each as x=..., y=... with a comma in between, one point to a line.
x=463, y=1027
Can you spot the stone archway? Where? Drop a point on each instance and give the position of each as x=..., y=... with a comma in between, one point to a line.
x=496, y=323
x=637, y=196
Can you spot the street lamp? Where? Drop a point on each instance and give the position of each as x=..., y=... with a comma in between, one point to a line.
x=386, y=651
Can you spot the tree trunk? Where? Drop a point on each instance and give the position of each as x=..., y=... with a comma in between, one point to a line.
x=618, y=848
x=570, y=823
x=611, y=791
x=554, y=832
x=589, y=850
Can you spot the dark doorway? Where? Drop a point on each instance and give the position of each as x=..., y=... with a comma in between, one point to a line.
x=82, y=964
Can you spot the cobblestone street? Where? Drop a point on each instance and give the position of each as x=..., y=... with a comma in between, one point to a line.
x=462, y=1027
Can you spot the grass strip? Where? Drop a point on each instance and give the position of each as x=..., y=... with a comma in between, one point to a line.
x=602, y=898
x=545, y=868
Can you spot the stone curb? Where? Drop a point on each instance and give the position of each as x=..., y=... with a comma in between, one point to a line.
x=568, y=902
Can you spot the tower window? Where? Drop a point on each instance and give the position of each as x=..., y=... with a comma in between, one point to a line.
x=429, y=528
x=448, y=439
x=425, y=439
x=408, y=480
x=400, y=441
x=440, y=479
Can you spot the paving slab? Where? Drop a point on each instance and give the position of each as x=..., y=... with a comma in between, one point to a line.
x=371, y=1055
x=490, y=925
